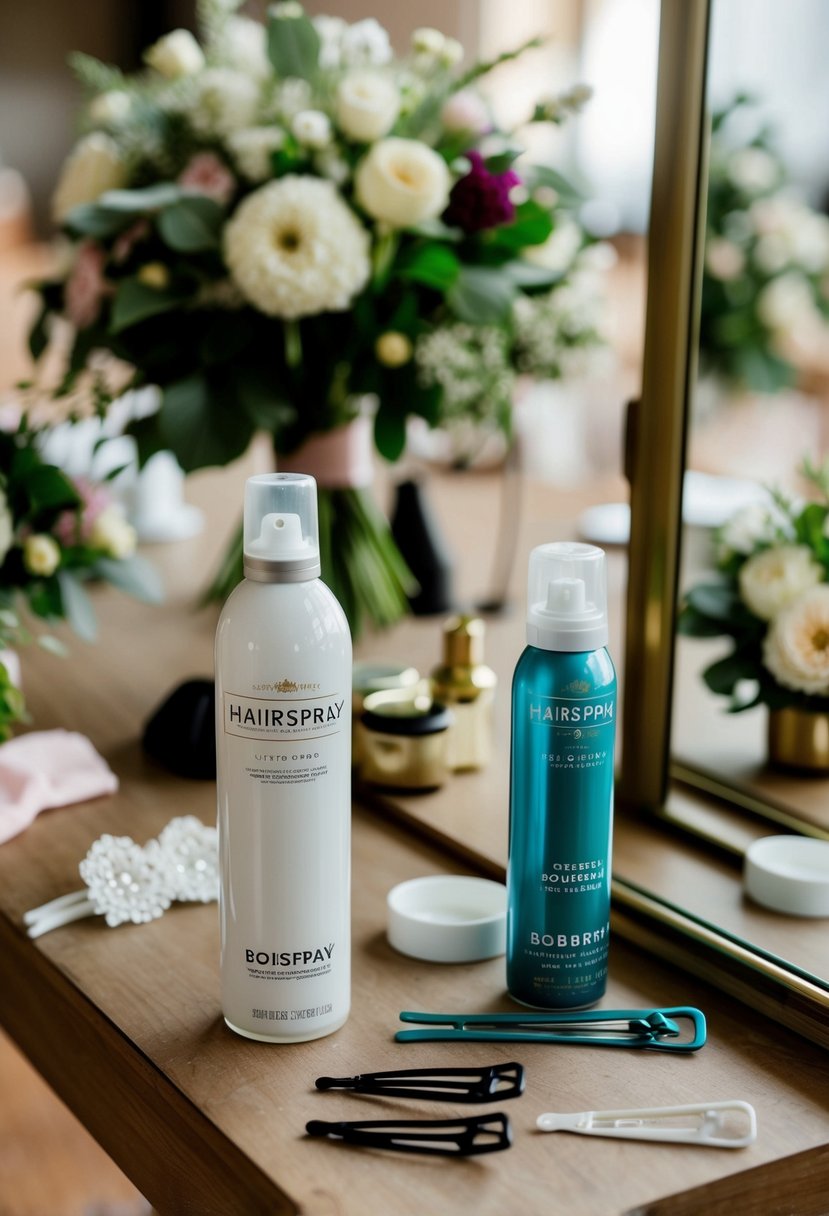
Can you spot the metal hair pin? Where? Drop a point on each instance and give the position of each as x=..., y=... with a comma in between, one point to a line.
x=731, y=1124
x=489, y=1084
x=439, y=1137
x=656, y=1029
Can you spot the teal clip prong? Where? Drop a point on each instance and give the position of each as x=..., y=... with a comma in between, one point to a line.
x=646, y=1028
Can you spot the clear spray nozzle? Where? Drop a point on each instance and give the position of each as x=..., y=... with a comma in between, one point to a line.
x=280, y=538
x=281, y=535
x=567, y=597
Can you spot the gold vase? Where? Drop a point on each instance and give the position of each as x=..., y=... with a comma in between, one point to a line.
x=799, y=738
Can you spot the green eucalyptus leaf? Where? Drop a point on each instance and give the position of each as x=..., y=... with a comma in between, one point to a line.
x=77, y=606
x=137, y=202
x=481, y=296
x=293, y=46
x=192, y=224
x=135, y=302
x=390, y=433
x=723, y=676
x=199, y=428
x=432, y=265
x=48, y=487
x=135, y=575
x=90, y=219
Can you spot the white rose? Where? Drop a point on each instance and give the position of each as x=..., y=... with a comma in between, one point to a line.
x=452, y=52
x=110, y=108
x=796, y=647
x=312, y=128
x=223, y=101
x=176, y=54
x=428, y=41
x=252, y=149
x=41, y=554
x=723, y=259
x=785, y=301
x=92, y=167
x=775, y=578
x=365, y=43
x=466, y=111
x=753, y=170
x=747, y=528
x=244, y=46
x=367, y=105
x=402, y=182
x=113, y=534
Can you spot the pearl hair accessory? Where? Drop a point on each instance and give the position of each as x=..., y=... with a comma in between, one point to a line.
x=126, y=881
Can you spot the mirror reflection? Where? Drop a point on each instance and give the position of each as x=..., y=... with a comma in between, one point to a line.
x=751, y=708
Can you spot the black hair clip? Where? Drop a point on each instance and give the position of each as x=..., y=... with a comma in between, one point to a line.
x=488, y=1084
x=440, y=1137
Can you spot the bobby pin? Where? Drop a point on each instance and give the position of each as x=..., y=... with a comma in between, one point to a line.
x=488, y=1084
x=441, y=1137
x=653, y=1029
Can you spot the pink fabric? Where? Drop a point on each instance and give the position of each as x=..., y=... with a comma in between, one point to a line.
x=338, y=459
x=45, y=769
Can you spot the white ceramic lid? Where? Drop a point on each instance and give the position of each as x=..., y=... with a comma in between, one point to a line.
x=448, y=918
x=789, y=874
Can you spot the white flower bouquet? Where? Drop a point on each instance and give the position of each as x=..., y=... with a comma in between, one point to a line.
x=765, y=288
x=56, y=534
x=281, y=222
x=772, y=600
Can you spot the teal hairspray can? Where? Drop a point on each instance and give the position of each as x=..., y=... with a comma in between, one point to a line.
x=561, y=785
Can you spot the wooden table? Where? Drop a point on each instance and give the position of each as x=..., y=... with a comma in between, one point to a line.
x=125, y=1023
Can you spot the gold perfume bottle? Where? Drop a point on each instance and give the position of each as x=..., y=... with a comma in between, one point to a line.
x=465, y=683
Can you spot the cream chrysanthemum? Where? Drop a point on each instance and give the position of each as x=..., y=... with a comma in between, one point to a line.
x=295, y=249
x=775, y=578
x=796, y=649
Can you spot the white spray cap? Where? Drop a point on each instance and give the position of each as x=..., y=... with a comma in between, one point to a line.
x=567, y=597
x=281, y=530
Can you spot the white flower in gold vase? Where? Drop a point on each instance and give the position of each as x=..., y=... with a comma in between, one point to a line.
x=92, y=167
x=402, y=182
x=176, y=54
x=775, y=578
x=796, y=648
x=367, y=105
x=747, y=528
x=294, y=248
x=753, y=170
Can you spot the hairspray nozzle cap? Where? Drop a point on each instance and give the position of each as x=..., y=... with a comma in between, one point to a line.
x=281, y=534
x=567, y=597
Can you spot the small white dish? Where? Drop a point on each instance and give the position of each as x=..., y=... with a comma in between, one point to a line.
x=789, y=874
x=448, y=918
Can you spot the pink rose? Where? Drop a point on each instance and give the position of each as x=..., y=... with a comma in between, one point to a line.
x=75, y=527
x=205, y=174
x=86, y=285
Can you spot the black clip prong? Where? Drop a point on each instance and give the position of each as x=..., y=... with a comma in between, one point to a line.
x=439, y=1137
x=492, y=1083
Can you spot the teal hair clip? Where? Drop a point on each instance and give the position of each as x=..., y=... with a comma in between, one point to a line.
x=657, y=1029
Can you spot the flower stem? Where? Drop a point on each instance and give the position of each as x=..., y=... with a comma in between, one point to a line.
x=293, y=344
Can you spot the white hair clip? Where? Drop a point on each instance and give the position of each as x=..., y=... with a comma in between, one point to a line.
x=126, y=881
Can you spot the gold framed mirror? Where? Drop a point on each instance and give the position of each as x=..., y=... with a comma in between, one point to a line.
x=696, y=913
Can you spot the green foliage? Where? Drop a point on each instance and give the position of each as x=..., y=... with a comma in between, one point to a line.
x=135, y=302
x=481, y=296
x=293, y=47
x=191, y=225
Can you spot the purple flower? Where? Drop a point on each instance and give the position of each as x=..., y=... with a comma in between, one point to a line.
x=481, y=199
